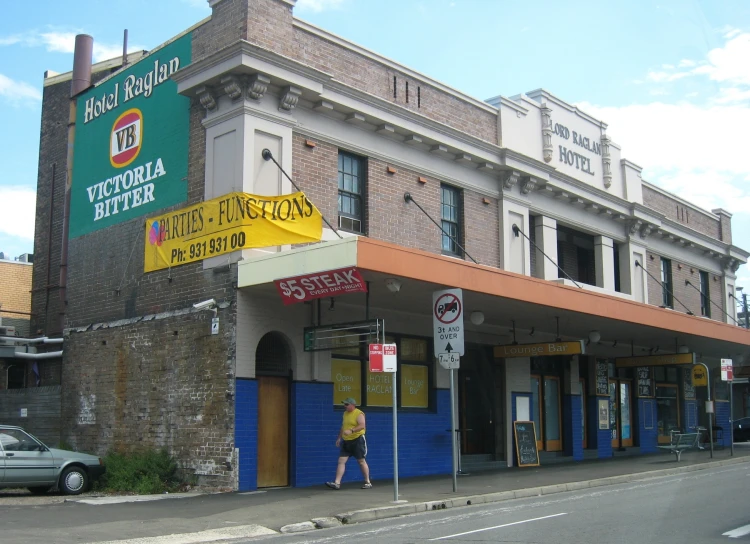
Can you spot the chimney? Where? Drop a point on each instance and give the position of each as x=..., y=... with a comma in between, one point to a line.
x=82, y=64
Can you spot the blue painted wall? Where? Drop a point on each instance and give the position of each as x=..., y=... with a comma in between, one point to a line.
x=599, y=439
x=246, y=432
x=722, y=420
x=423, y=439
x=645, y=412
x=572, y=428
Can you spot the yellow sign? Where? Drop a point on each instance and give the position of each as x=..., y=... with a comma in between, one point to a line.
x=347, y=380
x=228, y=223
x=414, y=386
x=700, y=378
x=539, y=350
x=656, y=360
x=379, y=390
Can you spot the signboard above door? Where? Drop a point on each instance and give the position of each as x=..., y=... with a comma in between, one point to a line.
x=320, y=285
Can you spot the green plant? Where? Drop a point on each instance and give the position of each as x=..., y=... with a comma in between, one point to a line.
x=145, y=472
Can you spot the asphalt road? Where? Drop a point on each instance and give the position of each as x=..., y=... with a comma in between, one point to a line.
x=702, y=507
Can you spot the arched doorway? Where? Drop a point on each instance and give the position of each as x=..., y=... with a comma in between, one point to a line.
x=273, y=364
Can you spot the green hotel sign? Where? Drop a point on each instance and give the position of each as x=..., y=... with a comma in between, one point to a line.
x=131, y=143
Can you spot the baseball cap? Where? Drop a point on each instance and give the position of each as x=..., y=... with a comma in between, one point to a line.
x=349, y=400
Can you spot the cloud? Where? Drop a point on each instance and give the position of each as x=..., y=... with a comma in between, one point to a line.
x=318, y=5
x=17, y=211
x=56, y=41
x=19, y=93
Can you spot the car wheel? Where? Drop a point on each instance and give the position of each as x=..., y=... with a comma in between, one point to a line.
x=74, y=481
x=39, y=490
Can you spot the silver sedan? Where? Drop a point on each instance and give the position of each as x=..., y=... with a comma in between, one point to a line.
x=25, y=461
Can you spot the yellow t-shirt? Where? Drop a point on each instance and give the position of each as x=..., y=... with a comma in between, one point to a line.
x=349, y=422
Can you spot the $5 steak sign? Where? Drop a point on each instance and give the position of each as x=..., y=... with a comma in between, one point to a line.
x=320, y=285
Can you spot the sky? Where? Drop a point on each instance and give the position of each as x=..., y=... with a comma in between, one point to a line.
x=671, y=78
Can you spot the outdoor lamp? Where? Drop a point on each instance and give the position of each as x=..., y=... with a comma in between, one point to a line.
x=393, y=285
x=477, y=318
x=595, y=336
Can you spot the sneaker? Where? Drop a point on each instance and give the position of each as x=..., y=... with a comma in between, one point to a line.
x=367, y=485
x=334, y=485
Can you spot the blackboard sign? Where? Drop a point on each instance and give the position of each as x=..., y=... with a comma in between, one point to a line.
x=645, y=383
x=688, y=388
x=526, y=451
x=602, y=378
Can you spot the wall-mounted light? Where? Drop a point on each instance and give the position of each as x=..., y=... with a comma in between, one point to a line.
x=683, y=349
x=595, y=336
x=393, y=285
x=477, y=318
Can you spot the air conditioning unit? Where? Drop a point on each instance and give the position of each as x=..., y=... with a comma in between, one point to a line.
x=7, y=331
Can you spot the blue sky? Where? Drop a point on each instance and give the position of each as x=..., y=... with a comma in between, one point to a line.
x=672, y=78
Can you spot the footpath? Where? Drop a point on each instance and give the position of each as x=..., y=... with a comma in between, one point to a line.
x=299, y=509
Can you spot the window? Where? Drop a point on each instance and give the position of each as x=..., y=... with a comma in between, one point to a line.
x=666, y=282
x=451, y=218
x=705, y=295
x=351, y=188
x=352, y=378
x=16, y=376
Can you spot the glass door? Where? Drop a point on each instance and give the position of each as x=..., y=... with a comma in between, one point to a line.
x=536, y=410
x=613, y=427
x=552, y=415
x=667, y=412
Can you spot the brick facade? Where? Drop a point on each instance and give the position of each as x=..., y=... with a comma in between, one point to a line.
x=162, y=383
x=677, y=211
x=15, y=295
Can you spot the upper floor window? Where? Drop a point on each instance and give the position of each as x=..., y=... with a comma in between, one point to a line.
x=351, y=188
x=666, y=282
x=705, y=295
x=450, y=201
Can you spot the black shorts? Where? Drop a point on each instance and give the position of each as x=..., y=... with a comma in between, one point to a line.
x=356, y=448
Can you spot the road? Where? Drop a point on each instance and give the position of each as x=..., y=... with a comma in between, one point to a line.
x=701, y=507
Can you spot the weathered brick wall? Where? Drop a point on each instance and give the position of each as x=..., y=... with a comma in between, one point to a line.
x=269, y=24
x=365, y=74
x=155, y=384
x=43, y=411
x=45, y=301
x=725, y=228
x=482, y=223
x=15, y=295
x=682, y=292
x=388, y=217
x=676, y=211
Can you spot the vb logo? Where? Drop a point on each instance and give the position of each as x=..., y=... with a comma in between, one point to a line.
x=126, y=138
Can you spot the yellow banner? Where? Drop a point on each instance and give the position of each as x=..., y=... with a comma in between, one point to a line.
x=228, y=223
x=656, y=360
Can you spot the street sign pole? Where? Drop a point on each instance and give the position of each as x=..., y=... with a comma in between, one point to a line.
x=453, y=431
x=395, y=429
x=710, y=419
x=731, y=419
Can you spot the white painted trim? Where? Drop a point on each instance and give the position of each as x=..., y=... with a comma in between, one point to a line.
x=294, y=262
x=324, y=34
x=546, y=95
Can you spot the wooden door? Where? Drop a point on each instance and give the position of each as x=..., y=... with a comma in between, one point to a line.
x=273, y=431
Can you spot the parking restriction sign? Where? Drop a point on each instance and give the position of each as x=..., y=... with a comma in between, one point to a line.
x=448, y=321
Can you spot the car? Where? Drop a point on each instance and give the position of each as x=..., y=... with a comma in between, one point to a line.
x=741, y=429
x=25, y=461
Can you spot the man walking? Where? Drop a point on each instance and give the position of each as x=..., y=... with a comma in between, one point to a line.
x=351, y=441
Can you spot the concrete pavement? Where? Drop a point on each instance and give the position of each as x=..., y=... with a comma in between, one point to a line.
x=277, y=508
